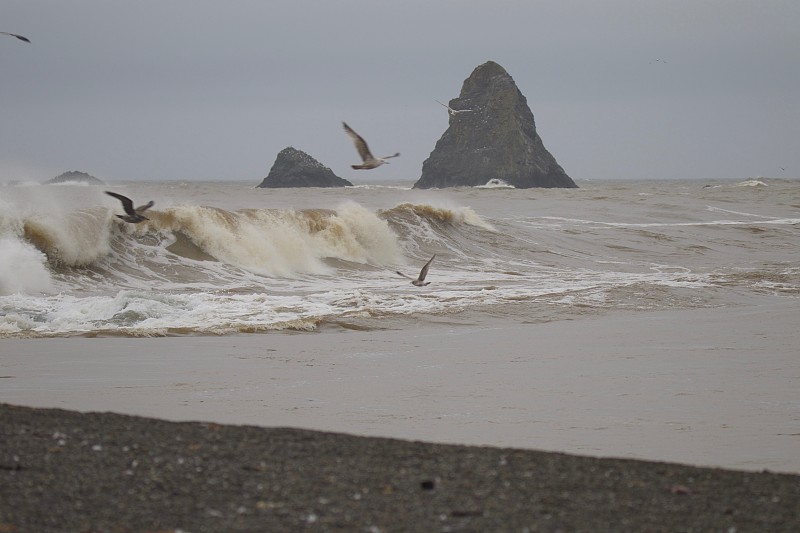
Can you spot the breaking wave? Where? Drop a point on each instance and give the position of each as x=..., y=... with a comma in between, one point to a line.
x=203, y=269
x=69, y=266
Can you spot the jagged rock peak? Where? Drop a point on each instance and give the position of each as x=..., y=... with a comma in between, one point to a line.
x=295, y=168
x=491, y=136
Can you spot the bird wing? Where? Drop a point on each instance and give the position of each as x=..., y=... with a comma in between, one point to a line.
x=390, y=156
x=424, y=271
x=20, y=37
x=407, y=277
x=445, y=105
x=145, y=207
x=361, y=144
x=127, y=204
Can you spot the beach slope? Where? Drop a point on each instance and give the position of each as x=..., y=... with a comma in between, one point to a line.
x=68, y=471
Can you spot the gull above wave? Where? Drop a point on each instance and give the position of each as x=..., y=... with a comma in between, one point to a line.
x=420, y=281
x=369, y=160
x=132, y=215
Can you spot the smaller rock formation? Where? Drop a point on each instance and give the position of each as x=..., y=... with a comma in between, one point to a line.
x=73, y=176
x=492, y=138
x=295, y=168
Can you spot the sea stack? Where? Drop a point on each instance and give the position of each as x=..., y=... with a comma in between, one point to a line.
x=295, y=168
x=496, y=140
x=74, y=176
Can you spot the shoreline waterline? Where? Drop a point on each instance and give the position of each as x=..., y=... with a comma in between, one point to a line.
x=707, y=387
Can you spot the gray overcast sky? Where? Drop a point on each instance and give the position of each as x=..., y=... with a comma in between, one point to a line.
x=179, y=89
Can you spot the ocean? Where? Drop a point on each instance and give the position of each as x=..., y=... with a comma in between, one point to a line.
x=224, y=257
x=640, y=319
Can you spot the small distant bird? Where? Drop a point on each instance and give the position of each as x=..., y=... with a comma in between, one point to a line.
x=453, y=112
x=20, y=37
x=369, y=160
x=134, y=216
x=420, y=281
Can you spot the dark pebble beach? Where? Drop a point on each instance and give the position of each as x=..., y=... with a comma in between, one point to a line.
x=101, y=472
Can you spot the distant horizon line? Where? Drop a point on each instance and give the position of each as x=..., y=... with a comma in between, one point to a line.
x=385, y=181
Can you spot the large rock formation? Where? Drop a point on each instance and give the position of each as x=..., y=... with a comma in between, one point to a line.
x=496, y=140
x=294, y=168
x=74, y=176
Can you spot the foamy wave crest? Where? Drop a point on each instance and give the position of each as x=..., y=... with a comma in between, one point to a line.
x=75, y=239
x=454, y=215
x=150, y=313
x=283, y=243
x=752, y=182
x=67, y=225
x=495, y=183
x=23, y=268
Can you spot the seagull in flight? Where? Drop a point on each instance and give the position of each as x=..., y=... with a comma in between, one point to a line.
x=453, y=112
x=134, y=216
x=369, y=160
x=420, y=281
x=20, y=37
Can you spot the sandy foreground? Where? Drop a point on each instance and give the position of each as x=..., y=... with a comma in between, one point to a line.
x=710, y=387
x=706, y=387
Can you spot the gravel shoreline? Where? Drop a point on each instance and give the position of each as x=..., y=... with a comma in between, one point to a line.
x=103, y=472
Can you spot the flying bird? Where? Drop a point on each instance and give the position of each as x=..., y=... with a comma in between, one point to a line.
x=453, y=112
x=134, y=216
x=20, y=37
x=369, y=160
x=420, y=281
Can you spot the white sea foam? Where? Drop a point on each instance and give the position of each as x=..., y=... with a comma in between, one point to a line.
x=70, y=184
x=66, y=223
x=23, y=268
x=77, y=238
x=303, y=305
x=751, y=182
x=286, y=243
x=260, y=244
x=444, y=210
x=495, y=183
x=253, y=263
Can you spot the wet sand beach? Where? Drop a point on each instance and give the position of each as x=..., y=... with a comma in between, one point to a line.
x=707, y=387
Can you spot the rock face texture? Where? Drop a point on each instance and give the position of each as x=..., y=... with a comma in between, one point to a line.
x=497, y=139
x=74, y=176
x=295, y=168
